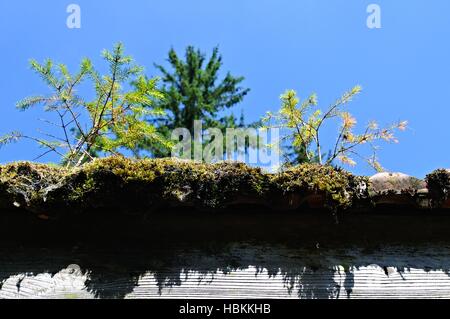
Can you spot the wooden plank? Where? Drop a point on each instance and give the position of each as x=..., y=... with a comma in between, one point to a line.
x=242, y=271
x=369, y=282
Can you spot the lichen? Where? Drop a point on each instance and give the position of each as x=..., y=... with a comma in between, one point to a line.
x=384, y=184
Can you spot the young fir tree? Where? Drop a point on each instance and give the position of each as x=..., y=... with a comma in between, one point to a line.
x=114, y=120
x=303, y=123
x=193, y=91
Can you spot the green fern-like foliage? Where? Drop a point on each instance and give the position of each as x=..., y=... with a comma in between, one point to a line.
x=303, y=122
x=116, y=119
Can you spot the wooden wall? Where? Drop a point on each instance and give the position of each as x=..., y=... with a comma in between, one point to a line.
x=244, y=270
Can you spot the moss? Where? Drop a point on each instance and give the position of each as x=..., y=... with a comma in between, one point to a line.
x=438, y=184
x=121, y=184
x=27, y=184
x=339, y=187
x=164, y=180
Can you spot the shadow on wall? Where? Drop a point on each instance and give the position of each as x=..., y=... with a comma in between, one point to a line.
x=252, y=254
x=243, y=269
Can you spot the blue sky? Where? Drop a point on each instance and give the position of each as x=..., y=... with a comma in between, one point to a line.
x=321, y=46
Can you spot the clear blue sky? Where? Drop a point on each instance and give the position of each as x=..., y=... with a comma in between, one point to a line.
x=321, y=46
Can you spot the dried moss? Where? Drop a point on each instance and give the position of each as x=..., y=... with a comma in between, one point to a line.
x=438, y=184
x=25, y=184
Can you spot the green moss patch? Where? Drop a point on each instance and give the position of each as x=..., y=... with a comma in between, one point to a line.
x=339, y=188
x=438, y=184
x=119, y=184
x=162, y=182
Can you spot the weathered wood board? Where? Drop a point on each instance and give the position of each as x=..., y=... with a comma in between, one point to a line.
x=239, y=271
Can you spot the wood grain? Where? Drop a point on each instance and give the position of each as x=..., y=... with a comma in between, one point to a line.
x=240, y=271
